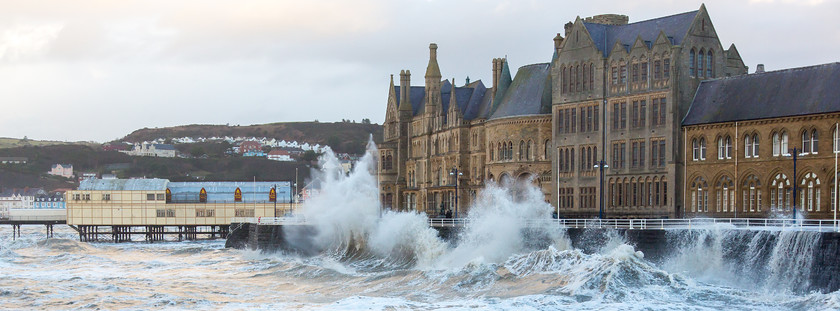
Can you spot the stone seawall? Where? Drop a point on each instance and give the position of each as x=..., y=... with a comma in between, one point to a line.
x=799, y=261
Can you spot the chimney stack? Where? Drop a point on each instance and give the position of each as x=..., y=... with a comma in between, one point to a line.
x=759, y=68
x=558, y=40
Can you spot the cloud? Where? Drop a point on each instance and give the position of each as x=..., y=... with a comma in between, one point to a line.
x=24, y=41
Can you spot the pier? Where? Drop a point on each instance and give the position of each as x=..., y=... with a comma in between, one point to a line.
x=47, y=221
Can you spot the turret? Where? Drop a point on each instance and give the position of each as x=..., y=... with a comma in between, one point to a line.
x=432, y=81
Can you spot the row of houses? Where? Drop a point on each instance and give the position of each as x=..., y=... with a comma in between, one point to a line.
x=29, y=199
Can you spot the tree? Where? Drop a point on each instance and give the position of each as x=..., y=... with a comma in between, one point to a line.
x=197, y=151
x=309, y=156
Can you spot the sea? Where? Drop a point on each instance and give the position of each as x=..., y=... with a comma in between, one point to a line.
x=372, y=259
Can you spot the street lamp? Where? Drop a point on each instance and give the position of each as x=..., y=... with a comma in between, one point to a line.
x=455, y=172
x=600, y=165
x=794, y=152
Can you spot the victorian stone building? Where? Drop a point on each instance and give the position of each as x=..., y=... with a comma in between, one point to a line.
x=614, y=92
x=763, y=144
x=621, y=90
x=443, y=141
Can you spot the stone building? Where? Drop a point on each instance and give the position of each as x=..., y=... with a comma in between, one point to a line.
x=620, y=92
x=443, y=141
x=759, y=145
x=613, y=92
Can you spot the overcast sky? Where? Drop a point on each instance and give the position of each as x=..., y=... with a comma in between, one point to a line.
x=97, y=70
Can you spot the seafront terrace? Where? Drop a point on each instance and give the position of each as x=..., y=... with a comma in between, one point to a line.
x=817, y=225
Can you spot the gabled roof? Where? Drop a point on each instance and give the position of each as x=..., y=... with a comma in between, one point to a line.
x=416, y=94
x=528, y=94
x=789, y=92
x=470, y=98
x=674, y=26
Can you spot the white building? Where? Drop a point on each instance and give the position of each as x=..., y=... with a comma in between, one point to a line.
x=18, y=199
x=152, y=150
x=63, y=170
x=279, y=155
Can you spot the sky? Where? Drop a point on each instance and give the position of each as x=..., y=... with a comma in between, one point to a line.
x=96, y=70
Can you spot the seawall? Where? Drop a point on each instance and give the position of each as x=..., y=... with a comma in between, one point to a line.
x=799, y=261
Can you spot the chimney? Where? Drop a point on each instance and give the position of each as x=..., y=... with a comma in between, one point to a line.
x=468, y=81
x=759, y=68
x=567, y=28
x=496, y=70
x=403, y=86
x=558, y=40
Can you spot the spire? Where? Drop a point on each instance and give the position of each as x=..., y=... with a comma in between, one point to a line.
x=433, y=70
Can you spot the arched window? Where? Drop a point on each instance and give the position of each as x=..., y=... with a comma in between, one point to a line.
x=748, y=146
x=585, y=77
x=492, y=147
x=725, y=147
x=521, y=150
x=806, y=142
x=695, y=149
x=510, y=150
x=809, y=196
x=546, y=149
x=721, y=148
x=751, y=194
x=564, y=78
x=755, y=145
x=701, y=63
x=577, y=78
x=780, y=193
x=656, y=191
x=725, y=195
x=691, y=63
x=528, y=150
x=702, y=148
x=814, y=142
x=591, y=75
x=699, y=195
x=780, y=143
x=560, y=161
x=836, y=141
x=500, y=151
x=710, y=72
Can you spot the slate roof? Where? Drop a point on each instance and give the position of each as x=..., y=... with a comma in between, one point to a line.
x=528, y=94
x=469, y=99
x=674, y=26
x=164, y=147
x=153, y=184
x=790, y=92
x=416, y=94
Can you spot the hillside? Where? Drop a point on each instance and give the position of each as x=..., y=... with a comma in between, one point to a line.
x=341, y=136
x=6, y=142
x=87, y=159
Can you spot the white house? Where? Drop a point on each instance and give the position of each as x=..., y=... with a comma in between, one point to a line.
x=63, y=170
x=279, y=155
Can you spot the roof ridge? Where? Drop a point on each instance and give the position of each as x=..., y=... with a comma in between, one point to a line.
x=648, y=20
x=749, y=75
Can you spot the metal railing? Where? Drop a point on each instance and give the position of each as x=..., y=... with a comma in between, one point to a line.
x=823, y=225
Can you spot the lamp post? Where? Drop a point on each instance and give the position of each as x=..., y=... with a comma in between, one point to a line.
x=600, y=165
x=455, y=172
x=794, y=152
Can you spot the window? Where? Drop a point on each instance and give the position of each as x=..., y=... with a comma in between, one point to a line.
x=150, y=197
x=635, y=73
x=623, y=115
x=751, y=146
x=724, y=148
x=666, y=68
x=695, y=149
x=810, y=194
x=836, y=140
x=584, y=77
x=614, y=75
x=161, y=197
x=577, y=78
x=780, y=193
x=780, y=144
x=751, y=194
x=725, y=195
x=710, y=73
x=809, y=141
x=106, y=197
x=700, y=63
x=657, y=152
x=618, y=154
x=623, y=74
x=642, y=113
x=86, y=197
x=657, y=67
x=755, y=145
x=564, y=78
x=699, y=195
x=644, y=72
x=591, y=75
x=691, y=63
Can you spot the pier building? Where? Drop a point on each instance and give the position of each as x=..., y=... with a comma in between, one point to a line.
x=118, y=208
